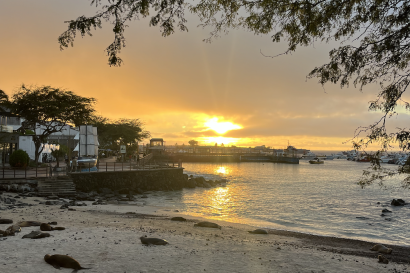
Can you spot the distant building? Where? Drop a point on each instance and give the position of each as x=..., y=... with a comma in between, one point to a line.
x=225, y=150
x=156, y=146
x=11, y=139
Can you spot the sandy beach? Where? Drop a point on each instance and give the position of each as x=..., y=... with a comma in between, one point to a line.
x=106, y=239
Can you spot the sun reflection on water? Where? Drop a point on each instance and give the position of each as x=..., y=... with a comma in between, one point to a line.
x=222, y=170
x=219, y=201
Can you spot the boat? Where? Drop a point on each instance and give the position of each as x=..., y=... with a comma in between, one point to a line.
x=339, y=155
x=88, y=162
x=308, y=155
x=316, y=160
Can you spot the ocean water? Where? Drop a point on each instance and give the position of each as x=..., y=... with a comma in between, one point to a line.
x=317, y=199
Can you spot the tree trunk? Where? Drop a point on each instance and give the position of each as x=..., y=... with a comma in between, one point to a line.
x=37, y=152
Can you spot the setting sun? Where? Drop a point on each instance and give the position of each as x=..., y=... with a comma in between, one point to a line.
x=221, y=127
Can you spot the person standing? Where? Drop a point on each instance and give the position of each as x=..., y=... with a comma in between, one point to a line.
x=74, y=164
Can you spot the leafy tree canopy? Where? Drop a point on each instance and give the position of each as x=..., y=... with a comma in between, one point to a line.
x=4, y=99
x=128, y=132
x=57, y=153
x=50, y=109
x=193, y=142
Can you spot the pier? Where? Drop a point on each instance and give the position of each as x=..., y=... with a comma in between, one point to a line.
x=209, y=158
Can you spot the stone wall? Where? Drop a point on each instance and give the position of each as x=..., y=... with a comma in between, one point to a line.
x=136, y=181
x=18, y=185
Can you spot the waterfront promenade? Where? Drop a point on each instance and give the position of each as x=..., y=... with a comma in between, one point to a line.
x=105, y=165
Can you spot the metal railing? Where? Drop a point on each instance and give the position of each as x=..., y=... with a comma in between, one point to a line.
x=124, y=166
x=146, y=163
x=24, y=173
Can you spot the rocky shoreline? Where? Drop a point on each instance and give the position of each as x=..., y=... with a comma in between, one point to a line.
x=106, y=239
x=102, y=196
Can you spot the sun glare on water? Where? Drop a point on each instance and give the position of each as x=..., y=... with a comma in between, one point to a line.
x=221, y=127
x=222, y=170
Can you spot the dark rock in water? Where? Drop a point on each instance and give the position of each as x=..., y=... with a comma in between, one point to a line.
x=65, y=206
x=258, y=231
x=52, y=197
x=6, y=221
x=71, y=209
x=398, y=202
x=378, y=203
x=200, y=181
x=180, y=219
x=388, y=219
x=362, y=218
x=191, y=183
x=382, y=215
x=386, y=211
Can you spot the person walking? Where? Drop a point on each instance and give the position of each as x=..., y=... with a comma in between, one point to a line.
x=74, y=164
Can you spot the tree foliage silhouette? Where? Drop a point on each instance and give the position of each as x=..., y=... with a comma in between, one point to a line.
x=49, y=110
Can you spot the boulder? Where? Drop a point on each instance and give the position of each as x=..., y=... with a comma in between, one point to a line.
x=54, y=202
x=190, y=183
x=398, y=202
x=200, y=180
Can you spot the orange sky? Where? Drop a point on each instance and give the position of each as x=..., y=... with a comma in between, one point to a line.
x=177, y=84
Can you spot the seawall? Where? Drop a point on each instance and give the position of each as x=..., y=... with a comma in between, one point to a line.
x=138, y=180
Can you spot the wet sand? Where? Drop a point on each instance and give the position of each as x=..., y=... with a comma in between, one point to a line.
x=106, y=238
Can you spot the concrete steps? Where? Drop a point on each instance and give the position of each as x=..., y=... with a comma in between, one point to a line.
x=56, y=187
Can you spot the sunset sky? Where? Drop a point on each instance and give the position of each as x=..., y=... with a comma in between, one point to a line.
x=181, y=87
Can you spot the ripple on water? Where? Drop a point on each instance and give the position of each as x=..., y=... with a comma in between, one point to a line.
x=322, y=200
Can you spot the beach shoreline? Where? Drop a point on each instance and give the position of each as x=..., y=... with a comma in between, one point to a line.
x=106, y=238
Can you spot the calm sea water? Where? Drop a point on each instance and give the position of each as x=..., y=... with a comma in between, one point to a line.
x=317, y=199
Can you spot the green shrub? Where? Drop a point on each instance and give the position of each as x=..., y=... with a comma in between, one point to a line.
x=19, y=158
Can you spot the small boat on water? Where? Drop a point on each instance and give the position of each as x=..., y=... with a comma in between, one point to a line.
x=316, y=160
x=308, y=156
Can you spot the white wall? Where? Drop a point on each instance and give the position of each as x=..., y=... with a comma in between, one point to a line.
x=26, y=143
